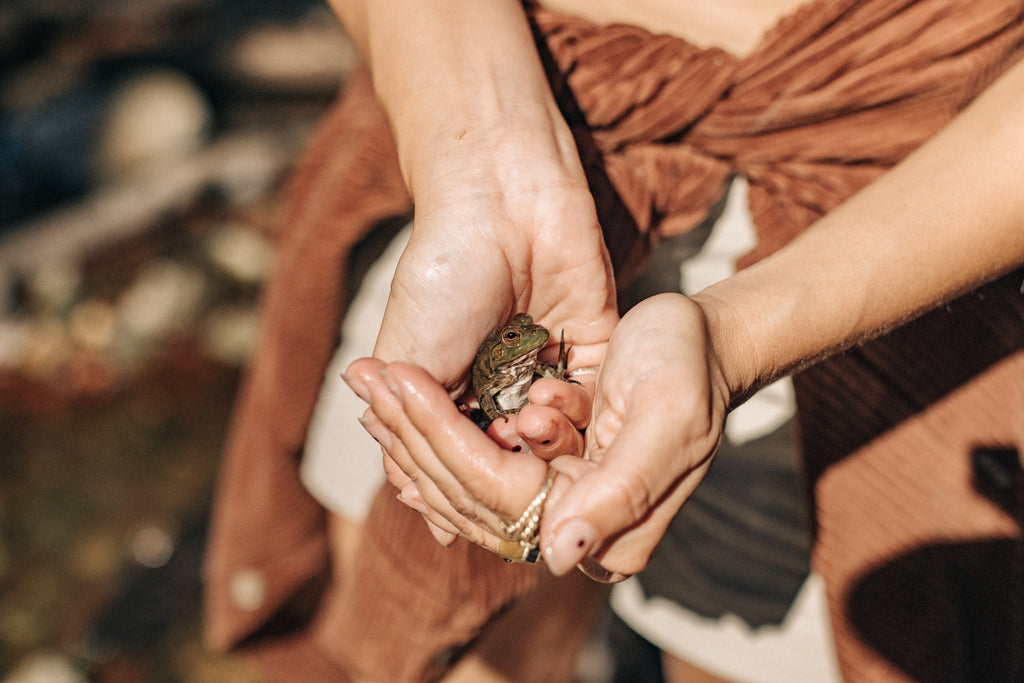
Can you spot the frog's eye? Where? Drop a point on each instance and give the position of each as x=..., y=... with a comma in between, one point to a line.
x=511, y=337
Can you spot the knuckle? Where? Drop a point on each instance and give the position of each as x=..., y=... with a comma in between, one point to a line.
x=631, y=495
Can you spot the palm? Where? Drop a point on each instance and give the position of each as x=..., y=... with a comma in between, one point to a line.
x=447, y=297
x=658, y=415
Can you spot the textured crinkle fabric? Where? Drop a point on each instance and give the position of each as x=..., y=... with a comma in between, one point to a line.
x=835, y=95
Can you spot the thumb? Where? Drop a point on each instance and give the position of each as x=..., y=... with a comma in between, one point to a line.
x=618, y=506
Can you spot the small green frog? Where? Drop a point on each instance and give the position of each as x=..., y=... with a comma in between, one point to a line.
x=506, y=365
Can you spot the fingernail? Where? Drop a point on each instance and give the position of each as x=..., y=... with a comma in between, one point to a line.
x=569, y=544
x=357, y=386
x=377, y=430
x=413, y=504
x=410, y=495
x=445, y=538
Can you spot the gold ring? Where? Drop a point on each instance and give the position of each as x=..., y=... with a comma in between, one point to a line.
x=515, y=551
x=523, y=532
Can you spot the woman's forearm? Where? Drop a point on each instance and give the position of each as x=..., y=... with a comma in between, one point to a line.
x=945, y=220
x=450, y=74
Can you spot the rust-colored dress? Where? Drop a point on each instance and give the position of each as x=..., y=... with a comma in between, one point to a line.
x=909, y=441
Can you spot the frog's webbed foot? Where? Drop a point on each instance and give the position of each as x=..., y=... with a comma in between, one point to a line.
x=561, y=369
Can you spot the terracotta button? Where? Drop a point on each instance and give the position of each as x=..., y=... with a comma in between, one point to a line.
x=247, y=589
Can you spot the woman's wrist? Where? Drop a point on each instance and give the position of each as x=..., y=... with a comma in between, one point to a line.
x=449, y=74
x=516, y=153
x=730, y=339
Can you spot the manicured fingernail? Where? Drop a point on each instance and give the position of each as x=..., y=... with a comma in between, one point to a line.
x=357, y=386
x=445, y=538
x=569, y=544
x=376, y=429
x=410, y=495
x=412, y=503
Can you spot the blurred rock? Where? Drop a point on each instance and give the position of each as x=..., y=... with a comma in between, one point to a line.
x=95, y=555
x=27, y=618
x=152, y=546
x=241, y=253
x=243, y=167
x=165, y=296
x=92, y=324
x=53, y=287
x=151, y=118
x=15, y=337
x=46, y=667
x=231, y=333
x=312, y=55
x=142, y=152
x=47, y=348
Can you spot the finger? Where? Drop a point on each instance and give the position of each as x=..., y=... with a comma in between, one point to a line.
x=630, y=551
x=444, y=494
x=376, y=429
x=404, y=441
x=394, y=473
x=465, y=458
x=572, y=399
x=547, y=433
x=442, y=531
x=624, y=490
x=443, y=520
x=505, y=432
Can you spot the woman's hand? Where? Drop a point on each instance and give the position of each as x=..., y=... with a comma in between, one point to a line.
x=658, y=416
x=504, y=218
x=491, y=238
x=504, y=223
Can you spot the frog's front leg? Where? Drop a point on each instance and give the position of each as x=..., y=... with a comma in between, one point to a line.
x=489, y=407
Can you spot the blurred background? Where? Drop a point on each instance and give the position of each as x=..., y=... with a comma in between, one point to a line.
x=144, y=147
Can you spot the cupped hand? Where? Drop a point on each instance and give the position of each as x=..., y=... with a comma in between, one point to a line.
x=658, y=416
x=463, y=481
